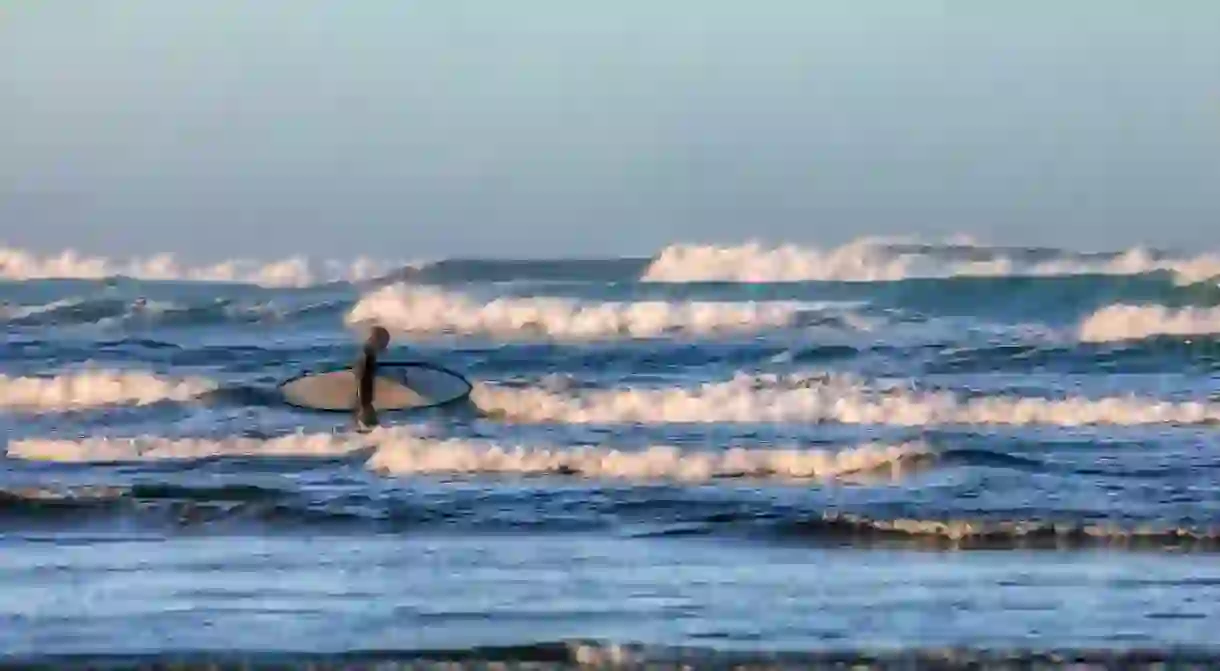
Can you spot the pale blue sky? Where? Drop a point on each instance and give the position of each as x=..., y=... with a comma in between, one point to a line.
x=219, y=128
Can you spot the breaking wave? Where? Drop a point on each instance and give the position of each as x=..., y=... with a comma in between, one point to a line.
x=397, y=451
x=868, y=259
x=424, y=310
x=831, y=398
x=1137, y=322
x=92, y=389
x=18, y=264
x=879, y=260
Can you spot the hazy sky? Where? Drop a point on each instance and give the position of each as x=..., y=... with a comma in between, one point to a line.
x=398, y=128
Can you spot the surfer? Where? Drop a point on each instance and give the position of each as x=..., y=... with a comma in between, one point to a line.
x=366, y=375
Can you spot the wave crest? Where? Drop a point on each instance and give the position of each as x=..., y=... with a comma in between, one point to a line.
x=880, y=260
x=398, y=451
x=424, y=310
x=1137, y=322
x=93, y=389
x=830, y=398
x=20, y=265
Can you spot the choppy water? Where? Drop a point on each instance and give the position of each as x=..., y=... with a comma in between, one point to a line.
x=719, y=454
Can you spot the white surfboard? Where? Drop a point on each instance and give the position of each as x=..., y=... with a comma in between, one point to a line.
x=399, y=386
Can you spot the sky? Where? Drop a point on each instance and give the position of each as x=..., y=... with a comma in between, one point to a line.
x=542, y=128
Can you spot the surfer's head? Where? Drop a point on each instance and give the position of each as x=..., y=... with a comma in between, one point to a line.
x=379, y=338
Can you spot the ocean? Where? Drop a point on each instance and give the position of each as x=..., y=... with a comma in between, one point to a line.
x=749, y=455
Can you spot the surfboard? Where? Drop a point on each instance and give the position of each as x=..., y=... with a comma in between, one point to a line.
x=399, y=386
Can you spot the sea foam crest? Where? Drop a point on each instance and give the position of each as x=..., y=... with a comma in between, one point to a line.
x=90, y=389
x=399, y=451
x=878, y=260
x=427, y=310
x=830, y=398
x=18, y=264
x=1136, y=322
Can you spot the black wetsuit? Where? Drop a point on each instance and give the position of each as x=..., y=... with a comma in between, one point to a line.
x=366, y=373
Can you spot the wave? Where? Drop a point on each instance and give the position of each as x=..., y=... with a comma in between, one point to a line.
x=399, y=451
x=1137, y=322
x=747, y=399
x=881, y=260
x=425, y=310
x=43, y=501
x=825, y=398
x=22, y=265
x=868, y=259
x=654, y=463
x=661, y=502
x=120, y=311
x=1001, y=534
x=92, y=389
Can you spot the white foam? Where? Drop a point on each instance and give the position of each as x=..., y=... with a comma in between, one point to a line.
x=425, y=310
x=18, y=264
x=398, y=451
x=873, y=260
x=1135, y=322
x=654, y=463
x=864, y=260
x=152, y=448
x=93, y=389
x=834, y=398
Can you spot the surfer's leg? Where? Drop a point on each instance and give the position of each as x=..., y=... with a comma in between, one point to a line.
x=367, y=417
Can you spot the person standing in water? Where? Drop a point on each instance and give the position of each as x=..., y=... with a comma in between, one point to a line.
x=366, y=376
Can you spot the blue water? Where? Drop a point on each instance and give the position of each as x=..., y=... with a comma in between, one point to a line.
x=881, y=466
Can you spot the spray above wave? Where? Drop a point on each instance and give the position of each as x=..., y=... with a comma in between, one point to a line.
x=422, y=310
x=20, y=265
x=1137, y=322
x=832, y=398
x=399, y=451
x=93, y=389
x=879, y=260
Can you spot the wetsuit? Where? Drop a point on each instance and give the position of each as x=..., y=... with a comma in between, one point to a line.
x=366, y=375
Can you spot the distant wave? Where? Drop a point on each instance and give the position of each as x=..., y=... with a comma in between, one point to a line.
x=899, y=314
x=868, y=259
x=879, y=260
x=104, y=311
x=1137, y=322
x=422, y=310
x=18, y=264
x=92, y=389
x=831, y=398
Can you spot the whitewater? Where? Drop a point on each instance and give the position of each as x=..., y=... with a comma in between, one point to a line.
x=709, y=454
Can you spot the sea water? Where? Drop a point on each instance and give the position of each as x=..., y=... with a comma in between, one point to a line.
x=714, y=454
